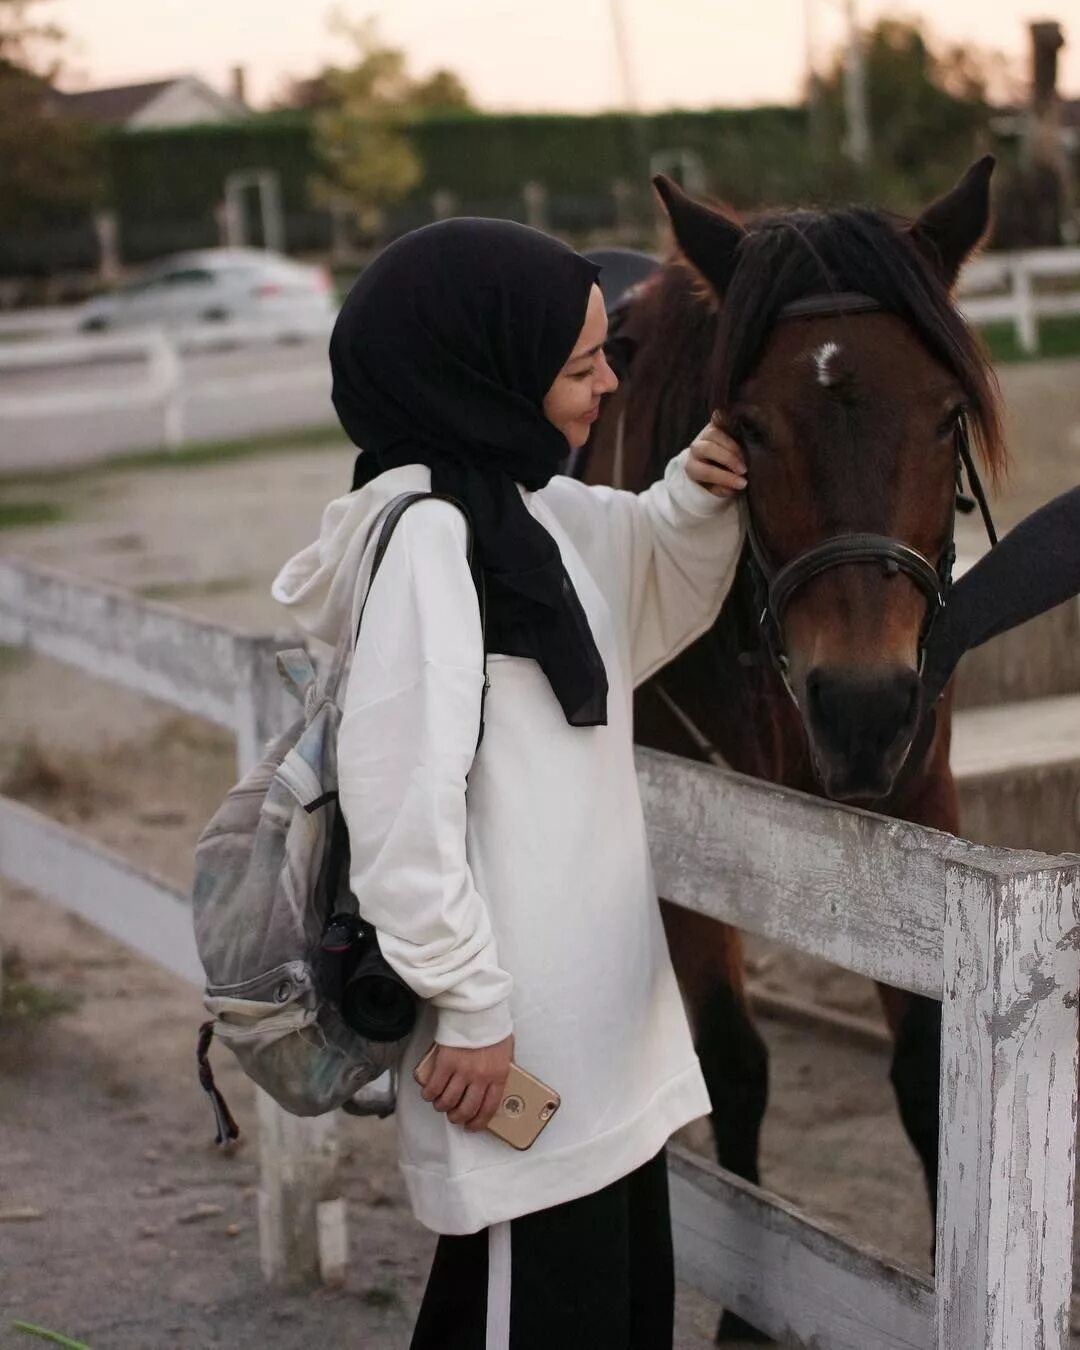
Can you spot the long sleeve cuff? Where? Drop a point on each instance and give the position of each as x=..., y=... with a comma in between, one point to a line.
x=694, y=499
x=474, y=1030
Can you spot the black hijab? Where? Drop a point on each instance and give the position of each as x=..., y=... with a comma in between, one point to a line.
x=442, y=355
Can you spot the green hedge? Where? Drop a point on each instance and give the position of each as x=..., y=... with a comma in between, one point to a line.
x=751, y=155
x=166, y=184
x=179, y=173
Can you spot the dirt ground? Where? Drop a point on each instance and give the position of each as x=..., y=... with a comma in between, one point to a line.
x=119, y=1223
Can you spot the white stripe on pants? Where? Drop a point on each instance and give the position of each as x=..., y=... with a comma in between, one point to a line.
x=498, y=1290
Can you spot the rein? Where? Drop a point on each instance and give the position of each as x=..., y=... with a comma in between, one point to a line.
x=776, y=586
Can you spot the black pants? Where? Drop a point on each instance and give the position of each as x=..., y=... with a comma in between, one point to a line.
x=594, y=1274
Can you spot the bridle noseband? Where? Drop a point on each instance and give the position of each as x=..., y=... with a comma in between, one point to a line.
x=777, y=586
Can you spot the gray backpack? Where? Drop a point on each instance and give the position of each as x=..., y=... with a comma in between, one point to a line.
x=295, y=981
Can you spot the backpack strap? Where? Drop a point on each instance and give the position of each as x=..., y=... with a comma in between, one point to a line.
x=385, y=523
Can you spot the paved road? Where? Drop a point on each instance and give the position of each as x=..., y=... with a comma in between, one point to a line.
x=227, y=394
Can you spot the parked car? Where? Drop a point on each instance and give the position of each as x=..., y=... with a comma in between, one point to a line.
x=217, y=286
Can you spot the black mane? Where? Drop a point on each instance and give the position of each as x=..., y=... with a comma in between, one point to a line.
x=787, y=256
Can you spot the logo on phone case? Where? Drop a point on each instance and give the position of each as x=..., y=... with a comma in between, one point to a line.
x=514, y=1106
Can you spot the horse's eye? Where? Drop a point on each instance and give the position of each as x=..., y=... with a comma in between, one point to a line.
x=950, y=424
x=751, y=435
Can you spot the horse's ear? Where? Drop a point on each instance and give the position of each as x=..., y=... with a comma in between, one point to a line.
x=951, y=228
x=707, y=239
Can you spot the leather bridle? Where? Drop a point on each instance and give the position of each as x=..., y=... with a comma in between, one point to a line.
x=777, y=586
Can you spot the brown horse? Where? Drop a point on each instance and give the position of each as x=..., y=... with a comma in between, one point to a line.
x=850, y=409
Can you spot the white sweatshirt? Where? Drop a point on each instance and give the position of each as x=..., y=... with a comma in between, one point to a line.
x=521, y=900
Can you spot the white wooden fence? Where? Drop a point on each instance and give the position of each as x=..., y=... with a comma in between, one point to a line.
x=229, y=679
x=992, y=933
x=163, y=383
x=25, y=323
x=1003, y=286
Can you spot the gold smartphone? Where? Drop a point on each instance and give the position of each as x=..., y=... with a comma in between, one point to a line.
x=526, y=1107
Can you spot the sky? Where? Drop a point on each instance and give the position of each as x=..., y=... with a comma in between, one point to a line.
x=521, y=54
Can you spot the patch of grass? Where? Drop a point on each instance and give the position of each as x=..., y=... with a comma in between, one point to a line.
x=22, y=1000
x=13, y=658
x=55, y=1337
x=1058, y=336
x=199, y=453
x=23, y=515
x=220, y=452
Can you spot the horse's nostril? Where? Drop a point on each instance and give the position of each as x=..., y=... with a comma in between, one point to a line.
x=860, y=717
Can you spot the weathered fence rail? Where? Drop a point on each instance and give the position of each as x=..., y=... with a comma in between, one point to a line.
x=993, y=933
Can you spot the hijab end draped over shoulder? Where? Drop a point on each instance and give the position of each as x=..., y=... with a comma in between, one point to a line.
x=442, y=355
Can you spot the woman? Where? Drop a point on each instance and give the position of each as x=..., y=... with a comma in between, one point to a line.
x=510, y=884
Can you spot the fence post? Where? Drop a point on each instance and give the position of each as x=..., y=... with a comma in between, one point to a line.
x=302, y=1231
x=622, y=195
x=1027, y=321
x=165, y=372
x=536, y=205
x=107, y=229
x=1008, y=1108
x=444, y=204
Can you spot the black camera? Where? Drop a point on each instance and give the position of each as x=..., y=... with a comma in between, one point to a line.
x=353, y=973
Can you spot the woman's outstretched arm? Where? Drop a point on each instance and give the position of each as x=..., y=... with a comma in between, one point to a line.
x=1033, y=568
x=666, y=557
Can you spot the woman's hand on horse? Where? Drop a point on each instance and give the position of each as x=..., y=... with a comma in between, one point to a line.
x=468, y=1084
x=716, y=462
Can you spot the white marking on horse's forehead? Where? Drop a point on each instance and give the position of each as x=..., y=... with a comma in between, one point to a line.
x=827, y=352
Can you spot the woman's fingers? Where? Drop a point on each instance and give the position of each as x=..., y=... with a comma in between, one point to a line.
x=719, y=447
x=471, y=1101
x=716, y=462
x=452, y=1093
x=437, y=1080
x=491, y=1103
x=713, y=475
x=467, y=1083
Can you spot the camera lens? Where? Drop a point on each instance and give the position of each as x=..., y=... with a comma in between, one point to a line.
x=375, y=1001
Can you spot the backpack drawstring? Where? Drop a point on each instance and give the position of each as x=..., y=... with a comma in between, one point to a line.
x=227, y=1128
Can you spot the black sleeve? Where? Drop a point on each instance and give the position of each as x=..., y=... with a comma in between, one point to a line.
x=1033, y=568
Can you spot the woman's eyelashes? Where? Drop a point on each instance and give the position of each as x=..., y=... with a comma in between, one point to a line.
x=584, y=374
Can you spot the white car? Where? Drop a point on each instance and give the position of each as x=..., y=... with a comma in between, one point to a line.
x=218, y=286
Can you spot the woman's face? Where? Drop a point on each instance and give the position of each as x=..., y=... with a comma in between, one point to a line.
x=573, y=402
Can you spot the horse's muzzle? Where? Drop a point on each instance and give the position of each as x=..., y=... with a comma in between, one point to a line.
x=860, y=726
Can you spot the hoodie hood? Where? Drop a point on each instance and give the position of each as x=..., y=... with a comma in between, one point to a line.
x=320, y=586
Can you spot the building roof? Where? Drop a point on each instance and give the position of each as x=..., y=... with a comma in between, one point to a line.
x=116, y=105
x=122, y=104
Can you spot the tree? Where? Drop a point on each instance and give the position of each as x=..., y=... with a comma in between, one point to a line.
x=928, y=108
x=25, y=42
x=361, y=114
x=441, y=92
x=46, y=159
